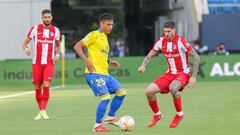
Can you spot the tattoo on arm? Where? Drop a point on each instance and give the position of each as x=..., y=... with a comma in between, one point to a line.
x=196, y=61
x=148, y=58
x=146, y=61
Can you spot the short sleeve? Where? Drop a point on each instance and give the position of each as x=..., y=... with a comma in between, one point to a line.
x=32, y=32
x=185, y=45
x=58, y=34
x=157, y=45
x=89, y=38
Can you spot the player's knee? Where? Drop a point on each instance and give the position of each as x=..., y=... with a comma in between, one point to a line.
x=148, y=92
x=105, y=97
x=46, y=84
x=152, y=89
x=37, y=86
x=175, y=95
x=172, y=90
x=121, y=92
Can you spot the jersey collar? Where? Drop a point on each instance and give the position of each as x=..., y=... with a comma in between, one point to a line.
x=100, y=30
x=46, y=27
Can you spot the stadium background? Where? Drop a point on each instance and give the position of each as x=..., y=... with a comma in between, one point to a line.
x=212, y=108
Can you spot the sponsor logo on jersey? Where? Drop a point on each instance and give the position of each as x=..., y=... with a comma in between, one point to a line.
x=51, y=34
x=172, y=55
x=174, y=46
x=45, y=41
x=86, y=38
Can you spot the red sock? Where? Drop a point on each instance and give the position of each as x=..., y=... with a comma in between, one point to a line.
x=38, y=96
x=178, y=104
x=45, y=97
x=154, y=106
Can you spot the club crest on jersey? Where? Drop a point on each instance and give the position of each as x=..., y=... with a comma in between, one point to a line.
x=174, y=46
x=86, y=38
x=51, y=34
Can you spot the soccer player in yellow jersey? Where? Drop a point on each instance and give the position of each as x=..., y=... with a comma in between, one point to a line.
x=96, y=73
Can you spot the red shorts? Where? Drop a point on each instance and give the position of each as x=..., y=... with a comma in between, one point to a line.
x=42, y=72
x=165, y=80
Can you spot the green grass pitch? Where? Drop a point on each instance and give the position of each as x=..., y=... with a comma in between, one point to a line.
x=212, y=108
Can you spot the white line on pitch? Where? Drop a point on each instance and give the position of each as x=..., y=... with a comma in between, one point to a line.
x=28, y=92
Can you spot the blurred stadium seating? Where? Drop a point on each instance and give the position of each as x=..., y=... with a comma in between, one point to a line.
x=224, y=6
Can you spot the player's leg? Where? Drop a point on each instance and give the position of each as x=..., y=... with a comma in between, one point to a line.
x=46, y=94
x=98, y=85
x=177, y=85
x=150, y=92
x=117, y=102
x=45, y=99
x=37, y=81
x=160, y=84
x=174, y=87
x=100, y=112
x=114, y=87
x=47, y=78
x=38, y=96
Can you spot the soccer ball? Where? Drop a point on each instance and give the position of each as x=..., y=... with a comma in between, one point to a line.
x=126, y=123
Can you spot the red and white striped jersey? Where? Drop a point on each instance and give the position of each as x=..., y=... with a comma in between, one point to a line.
x=176, y=52
x=44, y=43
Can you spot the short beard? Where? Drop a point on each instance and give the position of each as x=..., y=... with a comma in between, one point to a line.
x=168, y=37
x=46, y=24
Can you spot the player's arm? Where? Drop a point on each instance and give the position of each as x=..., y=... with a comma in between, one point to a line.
x=79, y=50
x=25, y=46
x=147, y=60
x=58, y=51
x=196, y=61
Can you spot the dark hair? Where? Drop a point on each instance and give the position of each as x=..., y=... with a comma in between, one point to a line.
x=106, y=16
x=46, y=11
x=221, y=43
x=169, y=24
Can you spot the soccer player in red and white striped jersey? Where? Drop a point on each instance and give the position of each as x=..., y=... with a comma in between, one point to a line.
x=176, y=50
x=46, y=39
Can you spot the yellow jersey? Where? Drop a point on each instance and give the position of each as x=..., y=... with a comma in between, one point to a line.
x=98, y=50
